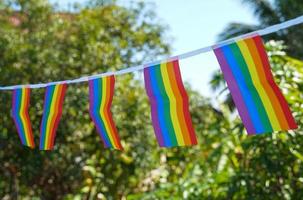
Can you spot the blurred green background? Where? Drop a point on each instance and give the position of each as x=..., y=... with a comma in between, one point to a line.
x=39, y=43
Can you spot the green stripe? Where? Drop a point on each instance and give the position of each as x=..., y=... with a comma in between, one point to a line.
x=22, y=125
x=248, y=80
x=168, y=121
x=48, y=107
x=51, y=92
x=101, y=97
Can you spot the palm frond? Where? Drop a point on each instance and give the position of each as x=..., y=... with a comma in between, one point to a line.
x=264, y=10
x=235, y=29
x=217, y=80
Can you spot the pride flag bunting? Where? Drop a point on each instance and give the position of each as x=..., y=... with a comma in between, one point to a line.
x=21, y=98
x=261, y=105
x=101, y=92
x=169, y=105
x=52, y=111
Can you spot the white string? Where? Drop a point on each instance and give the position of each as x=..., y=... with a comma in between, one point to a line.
x=265, y=31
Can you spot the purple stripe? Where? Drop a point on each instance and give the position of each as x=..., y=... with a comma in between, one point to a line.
x=16, y=116
x=154, y=112
x=14, y=101
x=91, y=96
x=92, y=107
x=235, y=91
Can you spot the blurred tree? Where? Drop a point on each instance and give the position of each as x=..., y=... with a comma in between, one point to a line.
x=268, y=13
x=274, y=179
x=230, y=165
x=38, y=44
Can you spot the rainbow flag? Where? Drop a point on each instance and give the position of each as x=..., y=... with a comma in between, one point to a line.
x=20, y=115
x=261, y=105
x=52, y=111
x=101, y=92
x=169, y=105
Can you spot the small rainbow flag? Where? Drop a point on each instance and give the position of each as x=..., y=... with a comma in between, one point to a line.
x=52, y=111
x=261, y=105
x=20, y=115
x=101, y=92
x=169, y=105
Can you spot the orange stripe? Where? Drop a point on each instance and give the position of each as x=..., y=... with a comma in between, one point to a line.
x=271, y=94
x=59, y=113
x=266, y=66
x=186, y=114
x=56, y=98
x=50, y=117
x=21, y=113
x=111, y=122
x=102, y=111
x=106, y=94
x=179, y=102
x=29, y=131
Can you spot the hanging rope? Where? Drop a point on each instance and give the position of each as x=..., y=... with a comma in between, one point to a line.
x=265, y=31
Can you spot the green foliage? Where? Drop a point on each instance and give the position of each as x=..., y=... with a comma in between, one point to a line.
x=38, y=44
x=270, y=12
x=227, y=164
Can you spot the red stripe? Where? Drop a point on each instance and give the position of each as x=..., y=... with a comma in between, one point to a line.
x=58, y=116
x=179, y=103
x=185, y=103
x=15, y=116
x=109, y=114
x=28, y=123
x=259, y=44
x=56, y=101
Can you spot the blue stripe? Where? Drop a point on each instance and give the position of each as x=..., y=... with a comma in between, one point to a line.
x=248, y=99
x=161, y=109
x=48, y=93
x=97, y=91
x=17, y=116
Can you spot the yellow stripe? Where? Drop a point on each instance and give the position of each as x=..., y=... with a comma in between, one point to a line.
x=104, y=94
x=21, y=113
x=50, y=116
x=257, y=83
x=172, y=105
